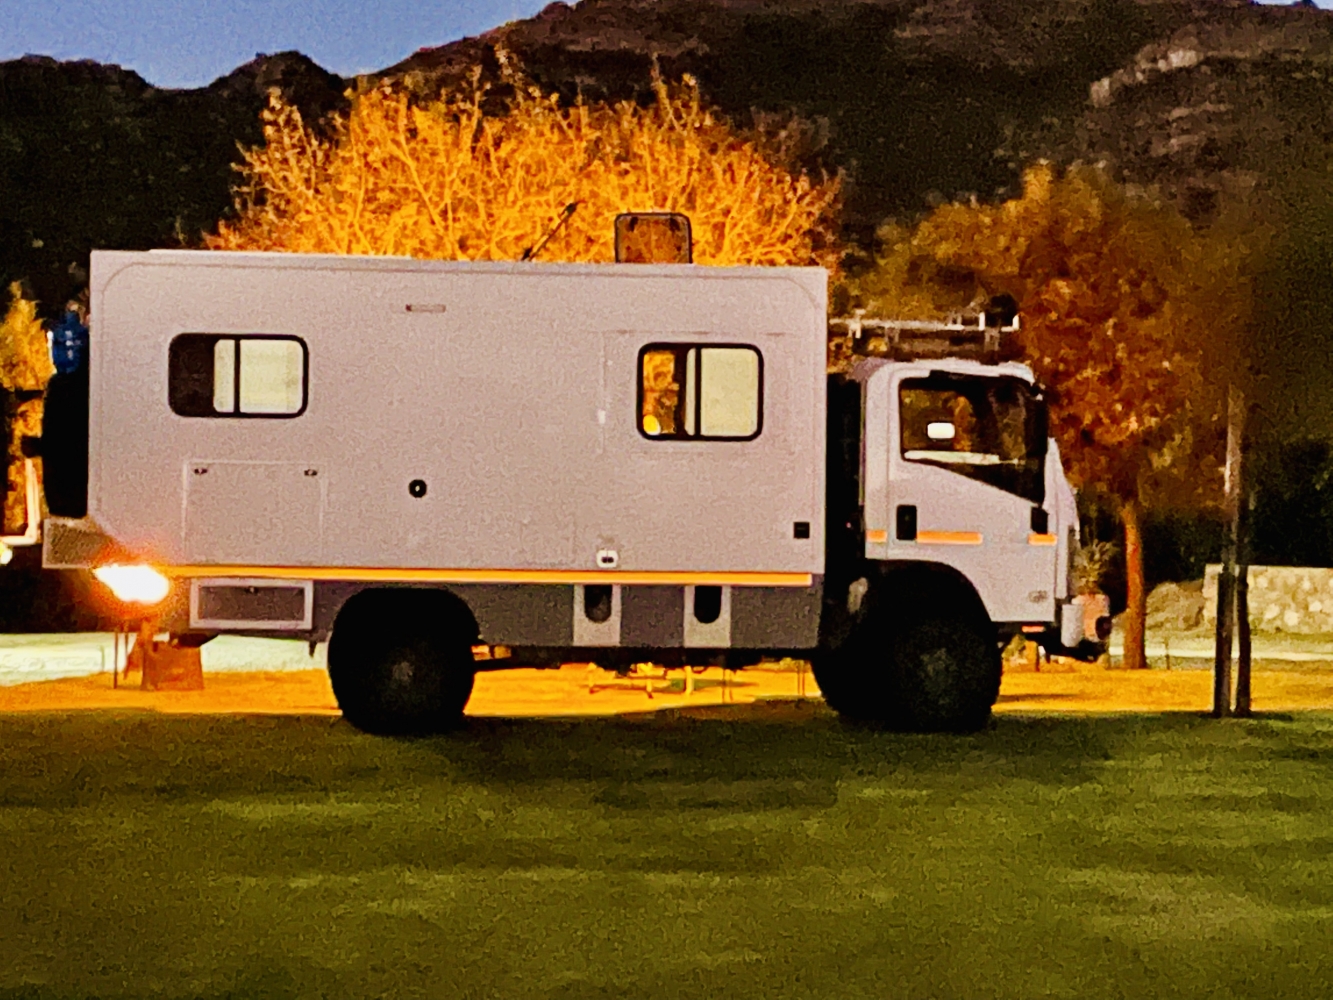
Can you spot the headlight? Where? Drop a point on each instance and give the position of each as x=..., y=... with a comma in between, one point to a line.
x=134, y=584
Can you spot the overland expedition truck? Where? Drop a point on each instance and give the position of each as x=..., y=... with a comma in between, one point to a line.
x=434, y=464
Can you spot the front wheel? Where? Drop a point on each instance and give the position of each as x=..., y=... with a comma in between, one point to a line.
x=947, y=674
x=912, y=666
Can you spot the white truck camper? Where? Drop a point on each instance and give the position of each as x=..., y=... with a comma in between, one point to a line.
x=432, y=463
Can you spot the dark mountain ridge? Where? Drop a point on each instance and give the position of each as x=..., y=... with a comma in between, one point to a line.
x=94, y=156
x=922, y=100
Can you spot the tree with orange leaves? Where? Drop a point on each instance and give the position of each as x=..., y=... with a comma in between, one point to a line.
x=452, y=180
x=25, y=368
x=1125, y=309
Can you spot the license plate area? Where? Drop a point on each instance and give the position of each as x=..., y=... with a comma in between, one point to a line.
x=252, y=604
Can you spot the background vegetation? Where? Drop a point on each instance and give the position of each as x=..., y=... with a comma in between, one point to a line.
x=25, y=368
x=454, y=179
x=1127, y=308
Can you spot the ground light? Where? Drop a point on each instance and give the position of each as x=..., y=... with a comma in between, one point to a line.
x=134, y=584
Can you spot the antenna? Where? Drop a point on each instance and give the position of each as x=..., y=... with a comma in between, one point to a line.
x=531, y=252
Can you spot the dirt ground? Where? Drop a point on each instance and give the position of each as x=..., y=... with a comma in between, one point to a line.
x=576, y=690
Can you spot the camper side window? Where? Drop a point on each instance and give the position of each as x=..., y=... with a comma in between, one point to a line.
x=216, y=375
x=700, y=393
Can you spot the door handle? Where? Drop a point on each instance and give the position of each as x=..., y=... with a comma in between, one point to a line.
x=905, y=526
x=1041, y=521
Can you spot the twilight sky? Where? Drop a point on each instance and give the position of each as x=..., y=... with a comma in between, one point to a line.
x=190, y=43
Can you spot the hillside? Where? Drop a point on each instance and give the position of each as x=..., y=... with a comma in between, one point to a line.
x=94, y=156
x=1240, y=99
x=917, y=100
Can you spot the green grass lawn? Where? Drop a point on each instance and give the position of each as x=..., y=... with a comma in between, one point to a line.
x=741, y=855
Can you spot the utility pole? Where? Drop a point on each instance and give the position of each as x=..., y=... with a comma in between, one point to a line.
x=1228, y=594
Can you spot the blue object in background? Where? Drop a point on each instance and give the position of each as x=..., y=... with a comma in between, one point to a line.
x=69, y=344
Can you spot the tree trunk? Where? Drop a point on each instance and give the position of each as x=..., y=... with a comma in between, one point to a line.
x=1226, y=617
x=1136, y=609
x=1227, y=590
x=1245, y=499
x=1242, y=613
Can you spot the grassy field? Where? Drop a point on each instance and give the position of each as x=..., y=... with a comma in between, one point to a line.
x=761, y=851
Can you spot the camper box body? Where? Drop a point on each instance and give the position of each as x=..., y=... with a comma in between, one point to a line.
x=475, y=426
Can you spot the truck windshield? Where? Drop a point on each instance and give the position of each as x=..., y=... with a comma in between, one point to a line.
x=986, y=428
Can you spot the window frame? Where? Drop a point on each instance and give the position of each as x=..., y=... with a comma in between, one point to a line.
x=238, y=414
x=687, y=347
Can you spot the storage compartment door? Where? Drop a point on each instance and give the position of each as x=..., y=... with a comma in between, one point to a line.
x=252, y=513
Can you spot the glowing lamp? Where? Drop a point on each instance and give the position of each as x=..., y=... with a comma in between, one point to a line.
x=134, y=584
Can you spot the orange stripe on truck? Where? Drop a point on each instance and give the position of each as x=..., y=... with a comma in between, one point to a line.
x=407, y=575
x=949, y=537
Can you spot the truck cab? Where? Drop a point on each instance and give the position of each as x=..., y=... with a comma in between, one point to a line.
x=950, y=517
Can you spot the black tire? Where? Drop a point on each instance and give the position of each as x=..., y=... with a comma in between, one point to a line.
x=852, y=684
x=401, y=661
x=913, y=667
x=947, y=672
x=1088, y=651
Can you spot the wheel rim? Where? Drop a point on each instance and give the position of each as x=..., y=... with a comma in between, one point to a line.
x=414, y=685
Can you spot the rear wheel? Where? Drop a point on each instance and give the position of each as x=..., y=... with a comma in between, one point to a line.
x=401, y=661
x=852, y=683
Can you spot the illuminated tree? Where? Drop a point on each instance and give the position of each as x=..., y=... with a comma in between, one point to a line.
x=25, y=368
x=452, y=180
x=1124, y=310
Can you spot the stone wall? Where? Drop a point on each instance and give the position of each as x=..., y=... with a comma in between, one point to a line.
x=1294, y=599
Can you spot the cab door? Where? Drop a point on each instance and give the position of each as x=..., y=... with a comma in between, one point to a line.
x=964, y=470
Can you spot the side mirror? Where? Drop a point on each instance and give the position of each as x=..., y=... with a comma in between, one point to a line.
x=1041, y=430
x=1001, y=311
